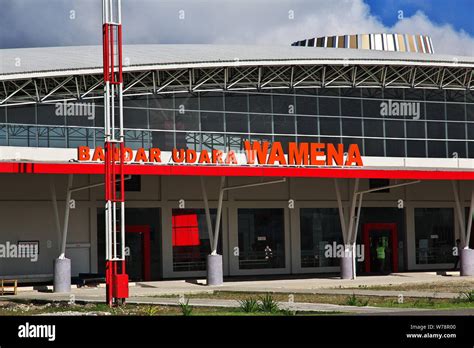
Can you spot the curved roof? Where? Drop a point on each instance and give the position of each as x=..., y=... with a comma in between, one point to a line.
x=41, y=75
x=54, y=61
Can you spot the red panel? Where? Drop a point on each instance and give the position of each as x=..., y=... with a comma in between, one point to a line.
x=120, y=286
x=185, y=229
x=190, y=170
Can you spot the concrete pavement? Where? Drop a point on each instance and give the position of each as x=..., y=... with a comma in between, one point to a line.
x=153, y=292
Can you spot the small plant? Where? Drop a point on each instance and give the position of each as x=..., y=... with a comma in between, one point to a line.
x=268, y=304
x=249, y=305
x=354, y=301
x=186, y=309
x=465, y=296
x=151, y=310
x=288, y=312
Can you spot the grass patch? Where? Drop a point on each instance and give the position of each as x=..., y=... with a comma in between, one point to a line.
x=12, y=308
x=361, y=300
x=353, y=300
x=455, y=286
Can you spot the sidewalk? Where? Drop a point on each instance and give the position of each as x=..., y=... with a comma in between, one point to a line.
x=289, y=286
x=155, y=292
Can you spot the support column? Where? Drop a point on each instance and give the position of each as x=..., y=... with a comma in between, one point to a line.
x=62, y=275
x=467, y=262
x=466, y=255
x=347, y=260
x=215, y=271
x=62, y=265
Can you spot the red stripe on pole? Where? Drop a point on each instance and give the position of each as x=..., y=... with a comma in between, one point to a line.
x=189, y=170
x=119, y=43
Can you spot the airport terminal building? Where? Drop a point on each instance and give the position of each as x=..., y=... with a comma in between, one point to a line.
x=363, y=140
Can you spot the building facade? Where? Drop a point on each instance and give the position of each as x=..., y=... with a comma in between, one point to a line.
x=410, y=115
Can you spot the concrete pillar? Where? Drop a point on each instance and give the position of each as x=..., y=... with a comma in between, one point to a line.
x=62, y=275
x=467, y=262
x=347, y=271
x=214, y=270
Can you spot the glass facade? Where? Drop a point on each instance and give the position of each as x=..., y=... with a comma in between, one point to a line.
x=190, y=239
x=319, y=227
x=261, y=238
x=384, y=122
x=434, y=235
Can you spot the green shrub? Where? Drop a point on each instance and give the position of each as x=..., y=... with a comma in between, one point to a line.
x=249, y=305
x=354, y=301
x=186, y=309
x=465, y=296
x=268, y=304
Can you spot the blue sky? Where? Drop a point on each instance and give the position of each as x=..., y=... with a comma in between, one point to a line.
x=37, y=23
x=458, y=13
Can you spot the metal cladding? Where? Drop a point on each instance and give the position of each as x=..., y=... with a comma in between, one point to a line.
x=377, y=42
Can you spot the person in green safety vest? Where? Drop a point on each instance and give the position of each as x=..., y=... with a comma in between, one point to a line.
x=380, y=250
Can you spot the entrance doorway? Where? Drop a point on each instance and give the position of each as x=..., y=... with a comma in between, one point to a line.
x=142, y=237
x=381, y=247
x=138, y=257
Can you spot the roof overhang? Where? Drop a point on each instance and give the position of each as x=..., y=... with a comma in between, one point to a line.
x=230, y=68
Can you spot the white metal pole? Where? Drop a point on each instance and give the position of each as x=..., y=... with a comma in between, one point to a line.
x=354, y=237
x=207, y=211
x=122, y=228
x=107, y=111
x=110, y=12
x=112, y=111
x=352, y=212
x=120, y=91
x=66, y=217
x=109, y=231
x=469, y=223
x=341, y=211
x=119, y=19
x=462, y=223
x=107, y=227
x=218, y=216
x=55, y=210
x=114, y=229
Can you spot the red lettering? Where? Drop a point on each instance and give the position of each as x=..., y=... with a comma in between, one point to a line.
x=298, y=153
x=257, y=148
x=83, y=153
x=276, y=154
x=155, y=155
x=98, y=154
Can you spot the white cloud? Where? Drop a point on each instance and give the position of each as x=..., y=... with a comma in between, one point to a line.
x=445, y=38
x=354, y=17
x=26, y=23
